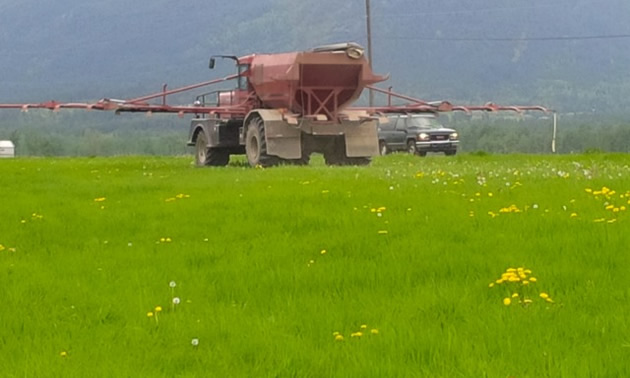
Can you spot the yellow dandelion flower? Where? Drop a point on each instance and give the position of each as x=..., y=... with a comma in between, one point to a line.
x=150, y=314
x=532, y=279
x=383, y=232
x=168, y=240
x=491, y=284
x=549, y=300
x=507, y=301
x=544, y=295
x=356, y=334
x=339, y=338
x=363, y=326
x=374, y=331
x=323, y=252
x=525, y=283
x=510, y=270
x=63, y=354
x=515, y=295
x=335, y=333
x=158, y=308
x=527, y=301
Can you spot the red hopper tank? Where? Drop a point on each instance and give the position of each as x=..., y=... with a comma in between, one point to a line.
x=321, y=81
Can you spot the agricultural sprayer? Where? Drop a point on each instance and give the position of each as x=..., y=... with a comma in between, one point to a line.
x=283, y=108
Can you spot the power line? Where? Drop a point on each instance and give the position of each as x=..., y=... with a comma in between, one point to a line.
x=469, y=11
x=519, y=39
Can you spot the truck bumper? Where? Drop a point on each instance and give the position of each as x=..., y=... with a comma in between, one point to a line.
x=437, y=146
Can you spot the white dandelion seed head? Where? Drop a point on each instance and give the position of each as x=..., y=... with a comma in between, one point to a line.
x=194, y=342
x=176, y=300
x=172, y=284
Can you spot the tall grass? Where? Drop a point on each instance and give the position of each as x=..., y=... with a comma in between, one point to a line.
x=270, y=266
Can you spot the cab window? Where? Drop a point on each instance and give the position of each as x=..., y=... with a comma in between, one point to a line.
x=243, y=83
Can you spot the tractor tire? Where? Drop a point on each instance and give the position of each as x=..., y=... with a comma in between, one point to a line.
x=205, y=156
x=256, y=145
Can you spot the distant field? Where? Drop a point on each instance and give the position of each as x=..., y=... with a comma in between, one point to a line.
x=391, y=270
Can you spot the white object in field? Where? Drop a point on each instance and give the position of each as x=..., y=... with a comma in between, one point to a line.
x=7, y=149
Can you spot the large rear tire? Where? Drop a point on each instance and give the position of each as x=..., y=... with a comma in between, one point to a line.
x=256, y=145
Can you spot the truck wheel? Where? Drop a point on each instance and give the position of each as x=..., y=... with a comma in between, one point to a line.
x=411, y=147
x=201, y=150
x=382, y=147
x=256, y=144
x=209, y=156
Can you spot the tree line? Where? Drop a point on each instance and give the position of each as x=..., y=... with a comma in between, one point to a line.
x=42, y=133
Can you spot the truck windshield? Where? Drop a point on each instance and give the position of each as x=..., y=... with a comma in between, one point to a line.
x=423, y=122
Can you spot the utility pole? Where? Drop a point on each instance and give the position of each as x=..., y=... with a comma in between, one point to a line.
x=369, y=42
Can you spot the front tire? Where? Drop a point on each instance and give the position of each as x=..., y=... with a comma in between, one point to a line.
x=204, y=156
x=411, y=147
x=382, y=147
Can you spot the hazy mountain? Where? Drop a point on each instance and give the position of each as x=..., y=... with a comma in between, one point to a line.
x=460, y=50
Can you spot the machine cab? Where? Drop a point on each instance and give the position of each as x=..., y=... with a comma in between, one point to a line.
x=229, y=97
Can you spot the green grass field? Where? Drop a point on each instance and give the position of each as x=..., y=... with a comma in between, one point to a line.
x=379, y=271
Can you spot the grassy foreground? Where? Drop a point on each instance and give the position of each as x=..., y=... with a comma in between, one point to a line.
x=149, y=267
